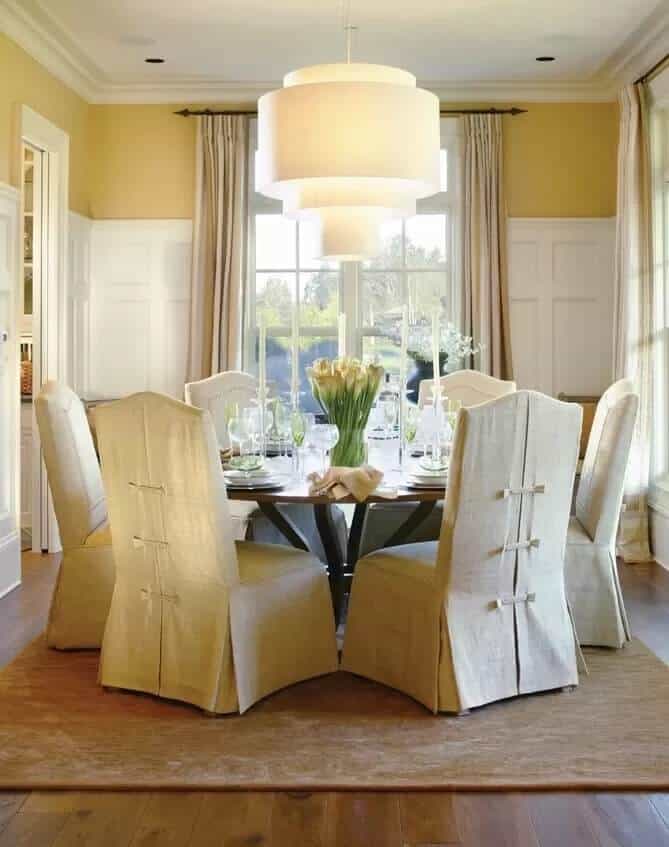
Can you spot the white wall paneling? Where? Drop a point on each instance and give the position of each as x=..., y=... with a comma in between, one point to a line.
x=10, y=561
x=139, y=305
x=561, y=303
x=78, y=301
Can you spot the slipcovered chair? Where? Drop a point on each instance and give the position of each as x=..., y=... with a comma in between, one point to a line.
x=469, y=388
x=482, y=614
x=196, y=616
x=83, y=591
x=591, y=574
x=217, y=394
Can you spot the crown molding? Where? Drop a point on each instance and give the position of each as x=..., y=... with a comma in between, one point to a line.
x=646, y=46
x=27, y=23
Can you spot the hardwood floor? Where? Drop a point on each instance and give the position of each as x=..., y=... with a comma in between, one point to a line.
x=294, y=819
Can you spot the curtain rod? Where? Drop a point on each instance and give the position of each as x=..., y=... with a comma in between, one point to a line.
x=189, y=113
x=654, y=71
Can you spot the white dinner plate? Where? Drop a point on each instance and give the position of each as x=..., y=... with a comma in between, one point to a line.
x=255, y=485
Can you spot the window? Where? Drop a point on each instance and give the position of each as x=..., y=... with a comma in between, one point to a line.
x=416, y=266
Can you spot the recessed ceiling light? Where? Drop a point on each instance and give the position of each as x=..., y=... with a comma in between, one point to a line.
x=154, y=61
x=545, y=58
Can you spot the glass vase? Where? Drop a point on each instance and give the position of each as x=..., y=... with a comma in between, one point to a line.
x=351, y=449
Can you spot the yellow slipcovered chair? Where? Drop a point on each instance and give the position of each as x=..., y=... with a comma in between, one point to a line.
x=83, y=591
x=480, y=615
x=195, y=615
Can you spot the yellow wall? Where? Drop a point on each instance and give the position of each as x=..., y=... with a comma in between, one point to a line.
x=560, y=161
x=24, y=81
x=142, y=162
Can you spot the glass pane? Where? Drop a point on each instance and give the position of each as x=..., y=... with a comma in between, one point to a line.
x=319, y=299
x=383, y=350
x=426, y=241
x=443, y=170
x=275, y=295
x=309, y=246
x=277, y=365
x=275, y=242
x=427, y=290
x=381, y=293
x=391, y=250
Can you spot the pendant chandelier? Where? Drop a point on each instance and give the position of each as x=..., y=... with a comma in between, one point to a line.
x=348, y=146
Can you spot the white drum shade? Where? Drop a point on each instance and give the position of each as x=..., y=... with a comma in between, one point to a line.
x=349, y=144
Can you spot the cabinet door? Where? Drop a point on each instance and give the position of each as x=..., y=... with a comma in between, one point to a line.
x=10, y=561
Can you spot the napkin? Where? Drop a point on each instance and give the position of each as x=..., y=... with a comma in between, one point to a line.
x=340, y=482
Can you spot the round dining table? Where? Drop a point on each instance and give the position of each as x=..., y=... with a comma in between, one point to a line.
x=341, y=563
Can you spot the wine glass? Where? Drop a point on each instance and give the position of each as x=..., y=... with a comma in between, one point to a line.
x=237, y=433
x=251, y=418
x=389, y=416
x=298, y=430
x=325, y=437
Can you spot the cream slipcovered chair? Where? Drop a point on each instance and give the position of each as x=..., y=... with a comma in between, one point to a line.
x=196, y=616
x=590, y=569
x=217, y=394
x=467, y=387
x=86, y=577
x=482, y=614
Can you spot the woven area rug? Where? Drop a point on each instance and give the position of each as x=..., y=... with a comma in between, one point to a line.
x=59, y=729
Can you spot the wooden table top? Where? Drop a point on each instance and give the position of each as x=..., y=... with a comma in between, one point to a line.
x=382, y=456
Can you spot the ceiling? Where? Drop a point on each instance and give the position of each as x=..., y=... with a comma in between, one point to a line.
x=254, y=43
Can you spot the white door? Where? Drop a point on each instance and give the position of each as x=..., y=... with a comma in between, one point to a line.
x=10, y=556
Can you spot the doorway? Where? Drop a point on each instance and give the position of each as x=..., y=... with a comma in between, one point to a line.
x=44, y=179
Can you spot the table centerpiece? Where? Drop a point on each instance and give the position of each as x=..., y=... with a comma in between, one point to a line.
x=345, y=389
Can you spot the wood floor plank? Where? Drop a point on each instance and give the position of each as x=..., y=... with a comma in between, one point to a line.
x=33, y=829
x=428, y=818
x=626, y=820
x=110, y=824
x=561, y=819
x=661, y=804
x=494, y=820
x=364, y=820
x=10, y=803
x=168, y=819
x=299, y=818
x=236, y=819
x=75, y=801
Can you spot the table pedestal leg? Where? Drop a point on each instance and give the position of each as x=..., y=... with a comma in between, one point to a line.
x=335, y=557
x=285, y=526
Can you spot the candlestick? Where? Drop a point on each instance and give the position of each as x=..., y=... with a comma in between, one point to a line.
x=262, y=387
x=295, y=358
x=436, y=391
x=404, y=345
x=341, y=347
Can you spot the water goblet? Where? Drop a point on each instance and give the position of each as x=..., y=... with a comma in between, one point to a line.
x=298, y=430
x=325, y=437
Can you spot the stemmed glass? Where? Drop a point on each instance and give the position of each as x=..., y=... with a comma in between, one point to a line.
x=298, y=430
x=389, y=416
x=411, y=417
x=325, y=437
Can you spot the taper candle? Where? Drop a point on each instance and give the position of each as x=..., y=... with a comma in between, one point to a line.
x=295, y=356
x=341, y=346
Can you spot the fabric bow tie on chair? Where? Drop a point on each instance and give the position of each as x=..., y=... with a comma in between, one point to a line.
x=342, y=482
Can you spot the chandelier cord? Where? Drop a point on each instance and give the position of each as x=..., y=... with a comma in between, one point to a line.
x=349, y=28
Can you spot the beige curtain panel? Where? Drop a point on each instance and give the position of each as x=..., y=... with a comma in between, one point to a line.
x=484, y=266
x=634, y=324
x=219, y=245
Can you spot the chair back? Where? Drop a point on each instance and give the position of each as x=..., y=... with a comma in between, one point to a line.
x=502, y=544
x=466, y=386
x=600, y=491
x=166, y=491
x=71, y=463
x=218, y=394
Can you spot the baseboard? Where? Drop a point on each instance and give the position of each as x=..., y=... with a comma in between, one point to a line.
x=9, y=588
x=10, y=563
x=659, y=534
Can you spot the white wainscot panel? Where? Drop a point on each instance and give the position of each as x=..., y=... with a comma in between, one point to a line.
x=561, y=294
x=139, y=307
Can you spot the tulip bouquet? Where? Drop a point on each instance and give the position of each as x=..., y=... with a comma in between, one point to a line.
x=345, y=389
